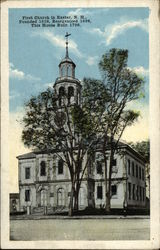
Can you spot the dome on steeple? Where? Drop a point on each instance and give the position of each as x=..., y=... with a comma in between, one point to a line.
x=67, y=60
x=67, y=66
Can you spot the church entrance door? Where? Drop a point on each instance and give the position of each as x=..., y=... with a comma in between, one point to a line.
x=60, y=197
x=81, y=197
x=43, y=197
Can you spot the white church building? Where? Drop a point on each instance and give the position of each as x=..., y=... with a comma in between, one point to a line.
x=44, y=180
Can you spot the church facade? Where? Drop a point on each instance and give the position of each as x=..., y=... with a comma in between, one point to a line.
x=44, y=180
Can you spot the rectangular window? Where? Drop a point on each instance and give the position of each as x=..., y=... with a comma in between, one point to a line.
x=99, y=192
x=139, y=172
x=99, y=167
x=137, y=193
x=133, y=168
x=142, y=174
x=113, y=189
x=27, y=195
x=114, y=162
x=27, y=173
x=60, y=167
x=114, y=169
x=129, y=190
x=140, y=193
x=43, y=168
x=136, y=171
x=133, y=194
x=129, y=167
x=143, y=194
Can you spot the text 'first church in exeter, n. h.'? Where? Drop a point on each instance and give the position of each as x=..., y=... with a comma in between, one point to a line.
x=44, y=180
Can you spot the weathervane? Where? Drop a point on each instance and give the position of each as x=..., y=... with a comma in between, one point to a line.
x=66, y=36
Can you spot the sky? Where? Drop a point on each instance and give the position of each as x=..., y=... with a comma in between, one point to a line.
x=35, y=52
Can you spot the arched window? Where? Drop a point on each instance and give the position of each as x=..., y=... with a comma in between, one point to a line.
x=63, y=70
x=60, y=166
x=43, y=168
x=69, y=70
x=61, y=94
x=99, y=167
x=70, y=93
x=61, y=91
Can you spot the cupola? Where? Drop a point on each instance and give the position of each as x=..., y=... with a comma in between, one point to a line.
x=67, y=66
x=67, y=87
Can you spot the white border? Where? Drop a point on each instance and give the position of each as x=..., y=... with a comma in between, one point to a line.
x=154, y=41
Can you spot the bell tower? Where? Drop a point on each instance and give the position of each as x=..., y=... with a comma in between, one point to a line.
x=67, y=87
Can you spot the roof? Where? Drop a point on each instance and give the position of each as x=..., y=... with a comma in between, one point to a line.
x=67, y=79
x=121, y=145
x=33, y=154
x=128, y=147
x=67, y=60
x=26, y=156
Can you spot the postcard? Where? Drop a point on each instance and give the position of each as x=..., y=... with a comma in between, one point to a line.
x=80, y=125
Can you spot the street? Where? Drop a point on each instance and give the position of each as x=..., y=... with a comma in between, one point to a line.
x=81, y=229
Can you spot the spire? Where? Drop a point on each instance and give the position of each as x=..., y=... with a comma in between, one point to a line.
x=66, y=36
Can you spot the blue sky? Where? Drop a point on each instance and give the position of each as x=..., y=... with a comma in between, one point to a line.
x=34, y=53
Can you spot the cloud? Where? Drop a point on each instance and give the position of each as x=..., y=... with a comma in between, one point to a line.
x=32, y=78
x=85, y=12
x=111, y=31
x=91, y=60
x=116, y=29
x=13, y=95
x=59, y=41
x=49, y=85
x=20, y=75
x=79, y=12
x=15, y=73
x=140, y=70
x=96, y=31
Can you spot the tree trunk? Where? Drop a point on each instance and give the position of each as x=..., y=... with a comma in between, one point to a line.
x=107, y=199
x=108, y=194
x=70, y=211
x=106, y=182
x=107, y=207
x=76, y=201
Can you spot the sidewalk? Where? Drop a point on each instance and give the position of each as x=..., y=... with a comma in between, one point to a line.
x=76, y=217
